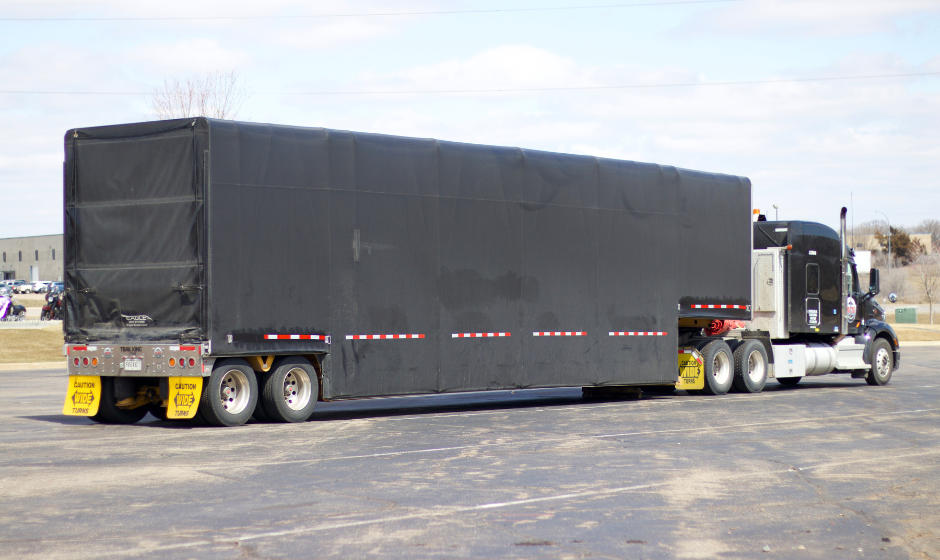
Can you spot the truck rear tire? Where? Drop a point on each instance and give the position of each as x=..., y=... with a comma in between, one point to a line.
x=750, y=367
x=108, y=413
x=882, y=363
x=719, y=367
x=290, y=390
x=230, y=393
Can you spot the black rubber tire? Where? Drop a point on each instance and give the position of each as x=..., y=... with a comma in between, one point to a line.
x=788, y=380
x=110, y=414
x=717, y=354
x=882, y=363
x=750, y=367
x=260, y=414
x=231, y=371
x=297, y=372
x=157, y=411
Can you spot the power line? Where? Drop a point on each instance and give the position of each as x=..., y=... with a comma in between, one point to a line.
x=376, y=14
x=517, y=90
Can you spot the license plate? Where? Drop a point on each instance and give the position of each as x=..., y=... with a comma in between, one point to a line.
x=135, y=364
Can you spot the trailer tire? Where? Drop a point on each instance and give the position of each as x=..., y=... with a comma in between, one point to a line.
x=788, y=380
x=750, y=367
x=719, y=367
x=261, y=414
x=229, y=394
x=882, y=363
x=290, y=390
x=108, y=413
x=158, y=412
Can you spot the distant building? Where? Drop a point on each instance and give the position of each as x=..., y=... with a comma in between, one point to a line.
x=32, y=258
x=870, y=242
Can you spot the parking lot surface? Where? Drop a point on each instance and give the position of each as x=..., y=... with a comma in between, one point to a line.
x=829, y=468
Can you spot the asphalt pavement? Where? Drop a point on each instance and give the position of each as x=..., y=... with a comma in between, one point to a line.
x=830, y=468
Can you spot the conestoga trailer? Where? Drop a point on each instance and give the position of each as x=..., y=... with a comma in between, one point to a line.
x=234, y=269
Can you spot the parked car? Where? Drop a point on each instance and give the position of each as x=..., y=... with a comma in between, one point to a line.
x=40, y=286
x=55, y=287
x=20, y=286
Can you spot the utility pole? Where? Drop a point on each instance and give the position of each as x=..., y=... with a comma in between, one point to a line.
x=889, y=237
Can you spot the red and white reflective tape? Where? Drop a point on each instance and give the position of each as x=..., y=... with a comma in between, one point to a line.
x=637, y=333
x=381, y=336
x=695, y=355
x=700, y=306
x=560, y=333
x=323, y=337
x=479, y=335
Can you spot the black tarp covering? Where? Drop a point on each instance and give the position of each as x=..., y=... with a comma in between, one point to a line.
x=321, y=232
x=133, y=232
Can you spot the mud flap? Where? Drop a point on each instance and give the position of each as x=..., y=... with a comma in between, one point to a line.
x=184, y=397
x=691, y=370
x=83, y=396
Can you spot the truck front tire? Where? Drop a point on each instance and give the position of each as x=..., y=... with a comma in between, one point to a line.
x=230, y=393
x=290, y=390
x=719, y=367
x=882, y=363
x=750, y=367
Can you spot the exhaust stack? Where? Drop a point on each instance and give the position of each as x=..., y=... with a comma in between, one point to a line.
x=846, y=289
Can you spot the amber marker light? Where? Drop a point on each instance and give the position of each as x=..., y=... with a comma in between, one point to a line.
x=94, y=362
x=172, y=362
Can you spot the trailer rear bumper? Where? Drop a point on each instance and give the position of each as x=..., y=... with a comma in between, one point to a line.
x=139, y=360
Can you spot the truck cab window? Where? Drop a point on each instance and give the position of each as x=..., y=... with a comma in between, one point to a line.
x=812, y=278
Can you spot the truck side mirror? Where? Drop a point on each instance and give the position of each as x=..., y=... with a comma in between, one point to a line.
x=874, y=285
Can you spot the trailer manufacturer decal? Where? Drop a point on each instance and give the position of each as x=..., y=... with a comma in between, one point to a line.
x=700, y=306
x=480, y=335
x=637, y=333
x=381, y=336
x=137, y=320
x=558, y=333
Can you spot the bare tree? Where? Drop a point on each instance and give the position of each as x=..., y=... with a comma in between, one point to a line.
x=219, y=95
x=933, y=228
x=925, y=271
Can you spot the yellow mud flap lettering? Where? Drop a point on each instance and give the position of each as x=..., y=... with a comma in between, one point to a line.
x=184, y=397
x=691, y=370
x=83, y=396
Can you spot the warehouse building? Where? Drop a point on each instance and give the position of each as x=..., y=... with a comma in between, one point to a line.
x=32, y=258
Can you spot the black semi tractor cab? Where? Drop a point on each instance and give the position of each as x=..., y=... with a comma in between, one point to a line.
x=810, y=306
x=232, y=270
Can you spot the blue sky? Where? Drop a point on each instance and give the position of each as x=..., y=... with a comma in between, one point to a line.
x=805, y=145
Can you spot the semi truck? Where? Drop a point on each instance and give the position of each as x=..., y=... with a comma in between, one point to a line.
x=224, y=271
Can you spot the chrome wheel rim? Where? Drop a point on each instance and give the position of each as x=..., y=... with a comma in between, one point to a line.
x=721, y=368
x=882, y=360
x=755, y=366
x=297, y=389
x=234, y=391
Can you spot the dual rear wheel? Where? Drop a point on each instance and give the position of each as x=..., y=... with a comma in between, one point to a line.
x=743, y=369
x=233, y=393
